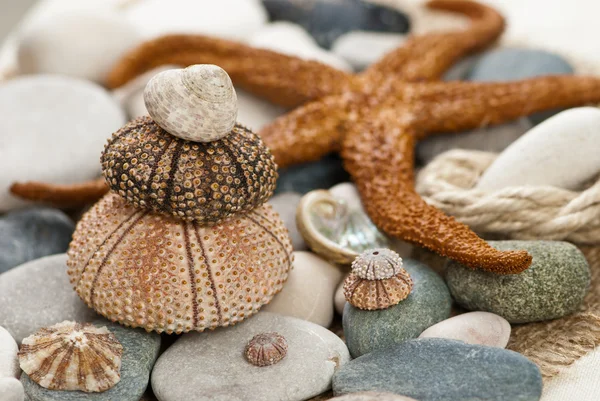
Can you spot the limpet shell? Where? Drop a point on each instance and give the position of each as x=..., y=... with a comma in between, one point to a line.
x=72, y=356
x=149, y=270
x=266, y=349
x=205, y=182
x=334, y=231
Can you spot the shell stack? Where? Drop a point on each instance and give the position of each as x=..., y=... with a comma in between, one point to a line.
x=186, y=240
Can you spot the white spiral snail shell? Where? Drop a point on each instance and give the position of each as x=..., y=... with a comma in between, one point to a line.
x=197, y=103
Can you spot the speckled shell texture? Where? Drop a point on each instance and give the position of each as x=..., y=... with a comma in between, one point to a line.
x=205, y=182
x=148, y=270
x=377, y=294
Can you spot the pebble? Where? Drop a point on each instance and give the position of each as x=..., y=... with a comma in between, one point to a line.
x=9, y=364
x=428, y=303
x=512, y=64
x=229, y=19
x=326, y=20
x=308, y=292
x=38, y=294
x=435, y=369
x=291, y=39
x=339, y=299
x=305, y=177
x=553, y=286
x=286, y=204
x=140, y=350
x=31, y=234
x=254, y=112
x=363, y=48
x=481, y=328
x=372, y=396
x=82, y=44
x=61, y=123
x=211, y=365
x=11, y=389
x=561, y=152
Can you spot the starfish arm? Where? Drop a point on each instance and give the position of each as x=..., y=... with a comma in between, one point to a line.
x=460, y=106
x=379, y=158
x=427, y=57
x=63, y=196
x=281, y=79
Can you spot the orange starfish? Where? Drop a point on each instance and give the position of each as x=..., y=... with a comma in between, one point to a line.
x=375, y=118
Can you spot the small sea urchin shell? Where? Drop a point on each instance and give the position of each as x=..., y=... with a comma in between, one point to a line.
x=377, y=281
x=266, y=349
x=197, y=103
x=149, y=270
x=205, y=182
x=72, y=356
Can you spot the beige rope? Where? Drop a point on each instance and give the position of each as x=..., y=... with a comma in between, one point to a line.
x=524, y=212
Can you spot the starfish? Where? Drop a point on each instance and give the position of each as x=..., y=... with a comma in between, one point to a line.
x=375, y=118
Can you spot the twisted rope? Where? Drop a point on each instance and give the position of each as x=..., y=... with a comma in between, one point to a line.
x=523, y=212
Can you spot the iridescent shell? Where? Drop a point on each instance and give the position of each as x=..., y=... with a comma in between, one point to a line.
x=205, y=182
x=266, y=349
x=149, y=270
x=333, y=230
x=377, y=281
x=72, y=356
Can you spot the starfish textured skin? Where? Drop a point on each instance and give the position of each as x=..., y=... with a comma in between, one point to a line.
x=375, y=118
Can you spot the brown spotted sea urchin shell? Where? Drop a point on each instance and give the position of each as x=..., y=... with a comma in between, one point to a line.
x=377, y=281
x=205, y=182
x=145, y=269
x=72, y=356
x=266, y=349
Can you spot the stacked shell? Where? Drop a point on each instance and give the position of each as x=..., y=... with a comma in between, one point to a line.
x=186, y=240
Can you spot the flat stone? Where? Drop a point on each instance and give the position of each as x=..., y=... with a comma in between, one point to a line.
x=428, y=303
x=481, y=328
x=286, y=204
x=9, y=363
x=60, y=123
x=553, y=286
x=212, y=365
x=308, y=292
x=435, y=369
x=561, y=152
x=372, y=396
x=11, y=389
x=305, y=177
x=31, y=234
x=363, y=48
x=140, y=350
x=38, y=294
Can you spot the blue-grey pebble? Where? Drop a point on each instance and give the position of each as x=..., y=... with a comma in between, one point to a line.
x=553, y=286
x=428, y=303
x=511, y=64
x=435, y=369
x=303, y=178
x=140, y=350
x=31, y=234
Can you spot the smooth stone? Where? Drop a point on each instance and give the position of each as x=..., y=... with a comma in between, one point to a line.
x=11, y=389
x=212, y=365
x=326, y=20
x=372, y=396
x=229, y=19
x=561, y=152
x=254, y=112
x=363, y=48
x=286, y=204
x=511, y=64
x=38, y=294
x=81, y=44
x=428, y=303
x=308, y=292
x=291, y=39
x=61, y=123
x=339, y=299
x=305, y=177
x=436, y=369
x=461, y=69
x=490, y=139
x=140, y=350
x=9, y=363
x=481, y=328
x=553, y=286
x=31, y=234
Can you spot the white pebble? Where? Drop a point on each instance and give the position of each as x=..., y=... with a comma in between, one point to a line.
x=11, y=389
x=9, y=363
x=339, y=299
x=363, y=48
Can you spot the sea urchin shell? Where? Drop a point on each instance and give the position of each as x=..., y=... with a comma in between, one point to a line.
x=205, y=182
x=266, y=349
x=72, y=356
x=377, y=281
